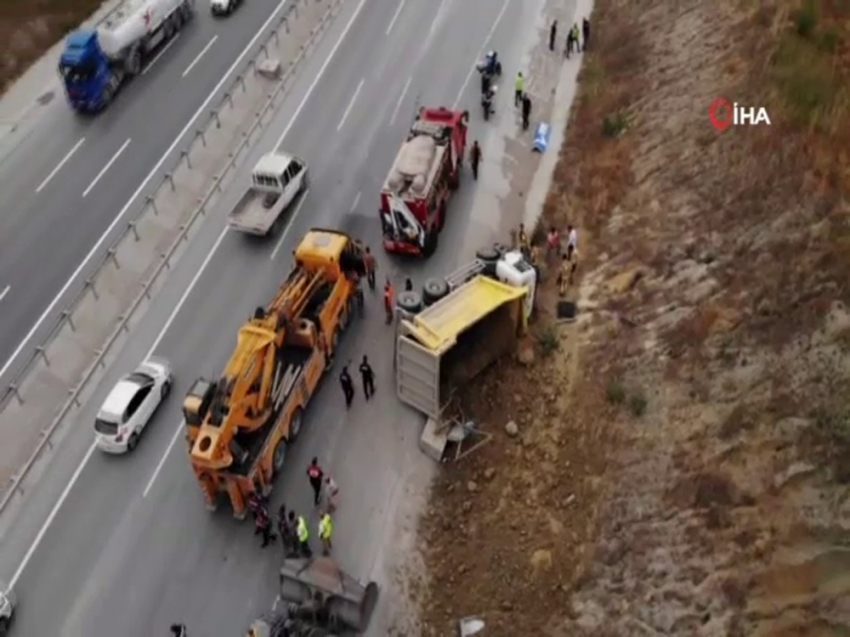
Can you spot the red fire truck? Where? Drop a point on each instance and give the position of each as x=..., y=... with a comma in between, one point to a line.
x=425, y=172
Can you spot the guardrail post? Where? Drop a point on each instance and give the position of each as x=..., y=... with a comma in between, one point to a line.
x=276, y=38
x=165, y=260
x=40, y=351
x=151, y=201
x=184, y=154
x=217, y=120
x=200, y=133
x=241, y=80
x=286, y=25
x=90, y=284
x=111, y=253
x=66, y=316
x=229, y=98
x=184, y=236
x=146, y=289
x=73, y=395
x=132, y=226
x=265, y=50
x=124, y=323
x=14, y=389
x=100, y=357
x=295, y=9
x=169, y=177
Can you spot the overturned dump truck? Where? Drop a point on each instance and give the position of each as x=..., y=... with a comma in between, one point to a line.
x=459, y=325
x=317, y=599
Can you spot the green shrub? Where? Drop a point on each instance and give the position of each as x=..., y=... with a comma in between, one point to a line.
x=615, y=393
x=637, y=404
x=548, y=340
x=806, y=20
x=614, y=125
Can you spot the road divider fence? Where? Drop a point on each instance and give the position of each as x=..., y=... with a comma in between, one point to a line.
x=50, y=387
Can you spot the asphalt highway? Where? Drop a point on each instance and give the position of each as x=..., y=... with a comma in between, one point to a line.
x=66, y=183
x=124, y=546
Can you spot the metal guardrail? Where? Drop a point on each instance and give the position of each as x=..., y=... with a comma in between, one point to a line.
x=164, y=265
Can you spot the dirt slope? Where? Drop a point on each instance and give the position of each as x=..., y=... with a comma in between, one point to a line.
x=682, y=463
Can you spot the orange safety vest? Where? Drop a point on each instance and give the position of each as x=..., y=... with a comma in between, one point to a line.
x=388, y=296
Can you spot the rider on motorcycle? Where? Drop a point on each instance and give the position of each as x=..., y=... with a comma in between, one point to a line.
x=491, y=62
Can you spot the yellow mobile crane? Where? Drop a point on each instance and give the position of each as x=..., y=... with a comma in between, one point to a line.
x=239, y=426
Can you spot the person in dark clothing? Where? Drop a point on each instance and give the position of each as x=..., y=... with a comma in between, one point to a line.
x=408, y=285
x=290, y=541
x=569, y=48
x=368, y=375
x=553, y=33
x=585, y=32
x=475, y=158
x=485, y=82
x=371, y=266
x=526, y=110
x=315, y=473
x=347, y=386
x=179, y=630
x=264, y=527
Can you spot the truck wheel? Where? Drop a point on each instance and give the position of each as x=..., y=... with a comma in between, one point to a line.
x=441, y=216
x=4, y=626
x=434, y=290
x=133, y=63
x=488, y=254
x=169, y=28
x=430, y=243
x=295, y=425
x=279, y=456
x=409, y=302
x=186, y=10
x=133, y=441
x=106, y=95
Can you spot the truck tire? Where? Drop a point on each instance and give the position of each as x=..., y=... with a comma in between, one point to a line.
x=133, y=63
x=4, y=626
x=441, y=215
x=279, y=457
x=434, y=290
x=409, y=302
x=170, y=27
x=186, y=11
x=490, y=256
x=431, y=242
x=295, y=424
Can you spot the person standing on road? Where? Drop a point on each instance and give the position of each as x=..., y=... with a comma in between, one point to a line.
x=519, y=89
x=475, y=158
x=585, y=28
x=291, y=547
x=264, y=527
x=522, y=238
x=408, y=285
x=553, y=33
x=572, y=241
x=303, y=535
x=526, y=110
x=368, y=376
x=331, y=494
x=574, y=33
x=347, y=386
x=315, y=474
x=389, y=300
x=326, y=529
x=371, y=267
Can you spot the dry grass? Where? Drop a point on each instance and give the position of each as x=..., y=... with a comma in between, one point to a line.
x=28, y=29
x=715, y=275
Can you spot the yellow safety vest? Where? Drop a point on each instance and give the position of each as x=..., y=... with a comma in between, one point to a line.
x=520, y=83
x=303, y=531
x=326, y=527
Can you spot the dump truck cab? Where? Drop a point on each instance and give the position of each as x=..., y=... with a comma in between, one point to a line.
x=240, y=425
x=426, y=170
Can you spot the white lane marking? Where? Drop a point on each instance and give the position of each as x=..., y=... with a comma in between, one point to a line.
x=160, y=54
x=139, y=190
x=395, y=16
x=400, y=100
x=353, y=207
x=291, y=219
x=107, y=167
x=49, y=521
x=5, y=292
x=350, y=105
x=200, y=55
x=316, y=80
x=294, y=213
x=60, y=164
x=162, y=460
x=436, y=20
x=481, y=52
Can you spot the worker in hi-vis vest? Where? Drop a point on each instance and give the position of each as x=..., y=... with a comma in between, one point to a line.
x=326, y=529
x=303, y=537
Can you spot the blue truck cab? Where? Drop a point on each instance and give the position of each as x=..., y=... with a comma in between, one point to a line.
x=86, y=72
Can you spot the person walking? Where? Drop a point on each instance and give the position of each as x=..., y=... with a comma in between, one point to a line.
x=291, y=546
x=331, y=494
x=326, y=529
x=408, y=285
x=522, y=238
x=585, y=30
x=283, y=530
x=553, y=34
x=347, y=385
x=315, y=474
x=389, y=300
x=574, y=32
x=519, y=89
x=572, y=241
x=263, y=525
x=526, y=110
x=303, y=536
x=371, y=266
x=475, y=158
x=368, y=376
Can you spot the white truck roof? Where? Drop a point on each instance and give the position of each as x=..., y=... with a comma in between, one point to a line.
x=273, y=163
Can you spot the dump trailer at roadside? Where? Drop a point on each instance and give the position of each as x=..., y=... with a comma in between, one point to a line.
x=240, y=425
x=445, y=345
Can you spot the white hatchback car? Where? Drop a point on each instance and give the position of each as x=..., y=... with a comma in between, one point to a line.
x=130, y=405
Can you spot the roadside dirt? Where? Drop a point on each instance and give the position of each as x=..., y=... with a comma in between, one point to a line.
x=678, y=461
x=28, y=29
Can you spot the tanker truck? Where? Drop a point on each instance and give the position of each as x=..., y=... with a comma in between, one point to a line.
x=97, y=62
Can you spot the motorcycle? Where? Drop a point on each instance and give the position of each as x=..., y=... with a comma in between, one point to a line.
x=487, y=102
x=490, y=65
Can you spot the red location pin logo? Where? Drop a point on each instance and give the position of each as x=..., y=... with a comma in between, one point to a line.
x=720, y=114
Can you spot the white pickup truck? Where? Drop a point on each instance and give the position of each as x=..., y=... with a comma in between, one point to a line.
x=276, y=181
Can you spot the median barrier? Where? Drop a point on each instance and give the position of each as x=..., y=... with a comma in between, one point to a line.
x=50, y=386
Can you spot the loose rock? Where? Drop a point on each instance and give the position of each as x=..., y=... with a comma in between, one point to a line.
x=512, y=429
